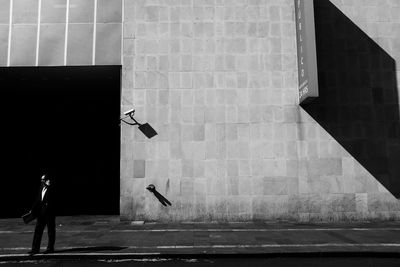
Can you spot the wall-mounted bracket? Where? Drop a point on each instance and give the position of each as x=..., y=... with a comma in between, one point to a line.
x=145, y=128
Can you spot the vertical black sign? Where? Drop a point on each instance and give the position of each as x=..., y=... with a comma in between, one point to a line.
x=306, y=50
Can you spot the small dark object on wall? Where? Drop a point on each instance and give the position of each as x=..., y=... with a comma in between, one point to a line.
x=160, y=197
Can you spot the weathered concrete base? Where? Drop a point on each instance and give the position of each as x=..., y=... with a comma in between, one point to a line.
x=295, y=208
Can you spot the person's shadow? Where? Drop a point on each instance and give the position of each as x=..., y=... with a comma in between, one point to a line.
x=160, y=197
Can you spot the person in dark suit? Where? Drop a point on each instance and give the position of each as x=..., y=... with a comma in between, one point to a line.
x=44, y=210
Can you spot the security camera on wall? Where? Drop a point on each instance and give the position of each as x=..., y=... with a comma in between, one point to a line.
x=129, y=112
x=146, y=129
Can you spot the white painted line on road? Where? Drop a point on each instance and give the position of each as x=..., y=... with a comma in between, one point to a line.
x=256, y=230
x=89, y=254
x=211, y=230
x=223, y=247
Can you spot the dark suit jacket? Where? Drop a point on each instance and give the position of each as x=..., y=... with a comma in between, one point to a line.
x=47, y=205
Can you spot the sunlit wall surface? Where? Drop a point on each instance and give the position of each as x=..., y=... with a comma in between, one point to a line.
x=60, y=32
x=218, y=80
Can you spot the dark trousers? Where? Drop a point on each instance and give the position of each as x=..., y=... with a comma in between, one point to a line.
x=42, y=221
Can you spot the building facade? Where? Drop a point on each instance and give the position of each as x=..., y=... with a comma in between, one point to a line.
x=218, y=80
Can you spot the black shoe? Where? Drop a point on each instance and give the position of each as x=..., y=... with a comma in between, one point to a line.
x=49, y=250
x=33, y=252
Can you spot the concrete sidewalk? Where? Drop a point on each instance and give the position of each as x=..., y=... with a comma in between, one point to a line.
x=108, y=237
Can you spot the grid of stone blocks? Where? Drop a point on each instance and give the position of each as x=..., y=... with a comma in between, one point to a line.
x=218, y=80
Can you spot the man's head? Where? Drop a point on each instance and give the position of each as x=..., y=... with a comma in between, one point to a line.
x=45, y=179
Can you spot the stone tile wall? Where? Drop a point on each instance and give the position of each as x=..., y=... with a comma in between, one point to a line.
x=217, y=79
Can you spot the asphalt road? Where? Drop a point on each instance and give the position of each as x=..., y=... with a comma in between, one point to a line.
x=226, y=262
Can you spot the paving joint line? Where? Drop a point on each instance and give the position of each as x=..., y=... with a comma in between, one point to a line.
x=211, y=230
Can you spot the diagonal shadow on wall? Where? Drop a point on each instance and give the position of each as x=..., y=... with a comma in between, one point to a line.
x=358, y=103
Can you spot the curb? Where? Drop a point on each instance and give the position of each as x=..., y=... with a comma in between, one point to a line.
x=177, y=256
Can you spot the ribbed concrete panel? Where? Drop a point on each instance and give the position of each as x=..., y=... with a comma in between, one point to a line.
x=109, y=11
x=23, y=45
x=3, y=44
x=4, y=11
x=108, y=44
x=25, y=11
x=53, y=11
x=87, y=18
x=51, y=44
x=81, y=11
x=79, y=48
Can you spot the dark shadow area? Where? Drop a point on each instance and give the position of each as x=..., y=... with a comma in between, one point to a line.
x=161, y=198
x=63, y=121
x=358, y=103
x=91, y=249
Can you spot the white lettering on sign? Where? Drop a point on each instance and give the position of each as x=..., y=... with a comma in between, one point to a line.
x=306, y=49
x=303, y=90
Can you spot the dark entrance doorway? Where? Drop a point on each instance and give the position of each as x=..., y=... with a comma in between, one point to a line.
x=64, y=121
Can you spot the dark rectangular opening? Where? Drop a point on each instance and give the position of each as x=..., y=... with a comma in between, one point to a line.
x=63, y=121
